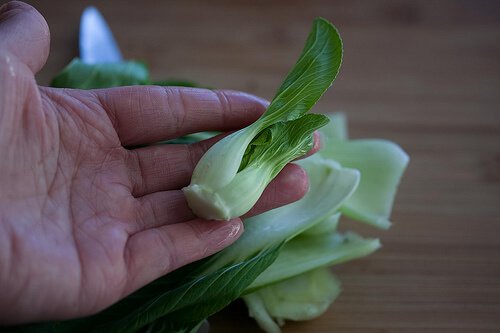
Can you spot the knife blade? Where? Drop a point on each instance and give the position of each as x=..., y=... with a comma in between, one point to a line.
x=97, y=44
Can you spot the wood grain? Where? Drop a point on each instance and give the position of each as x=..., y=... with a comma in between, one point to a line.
x=425, y=74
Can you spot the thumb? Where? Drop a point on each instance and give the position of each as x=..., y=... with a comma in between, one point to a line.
x=24, y=35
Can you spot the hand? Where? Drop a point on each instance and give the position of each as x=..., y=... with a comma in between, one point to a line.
x=84, y=221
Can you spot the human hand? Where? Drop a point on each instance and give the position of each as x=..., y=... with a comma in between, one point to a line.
x=84, y=221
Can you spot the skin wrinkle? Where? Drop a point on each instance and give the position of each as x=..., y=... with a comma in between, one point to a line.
x=12, y=264
x=102, y=101
x=95, y=126
x=127, y=95
x=97, y=183
x=141, y=121
x=166, y=168
x=179, y=120
x=145, y=208
x=51, y=176
x=167, y=243
x=184, y=170
x=225, y=106
x=138, y=184
x=199, y=234
x=134, y=170
x=195, y=153
x=81, y=282
x=170, y=207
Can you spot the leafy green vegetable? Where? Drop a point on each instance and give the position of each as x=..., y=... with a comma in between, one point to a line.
x=302, y=297
x=192, y=138
x=80, y=75
x=247, y=160
x=175, y=83
x=89, y=76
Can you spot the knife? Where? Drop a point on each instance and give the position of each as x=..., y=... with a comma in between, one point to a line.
x=97, y=44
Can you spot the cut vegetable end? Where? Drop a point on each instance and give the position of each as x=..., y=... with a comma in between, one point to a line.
x=205, y=203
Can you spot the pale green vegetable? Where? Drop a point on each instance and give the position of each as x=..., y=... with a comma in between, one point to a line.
x=302, y=297
x=305, y=253
x=381, y=164
x=326, y=226
x=231, y=176
x=335, y=130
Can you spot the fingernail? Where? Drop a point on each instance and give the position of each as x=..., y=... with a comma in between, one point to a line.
x=318, y=143
x=227, y=234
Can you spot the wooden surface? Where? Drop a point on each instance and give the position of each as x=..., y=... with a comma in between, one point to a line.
x=425, y=74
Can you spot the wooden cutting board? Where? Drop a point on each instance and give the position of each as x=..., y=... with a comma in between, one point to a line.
x=425, y=74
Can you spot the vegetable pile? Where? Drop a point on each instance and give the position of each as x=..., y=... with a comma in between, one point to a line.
x=280, y=266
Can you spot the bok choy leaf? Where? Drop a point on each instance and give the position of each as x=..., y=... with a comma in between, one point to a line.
x=381, y=164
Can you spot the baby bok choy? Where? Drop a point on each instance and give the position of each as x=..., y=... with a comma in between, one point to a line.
x=247, y=160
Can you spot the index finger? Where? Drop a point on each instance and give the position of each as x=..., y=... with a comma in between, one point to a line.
x=148, y=114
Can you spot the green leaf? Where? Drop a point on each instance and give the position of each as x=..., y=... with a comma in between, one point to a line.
x=311, y=76
x=303, y=297
x=90, y=76
x=176, y=83
x=282, y=143
x=192, y=138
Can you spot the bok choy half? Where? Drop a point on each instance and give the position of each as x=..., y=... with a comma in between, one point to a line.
x=280, y=266
x=231, y=176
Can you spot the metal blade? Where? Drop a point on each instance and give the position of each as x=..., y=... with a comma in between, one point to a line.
x=97, y=44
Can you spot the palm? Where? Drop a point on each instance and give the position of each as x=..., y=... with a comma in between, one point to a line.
x=84, y=221
x=71, y=164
